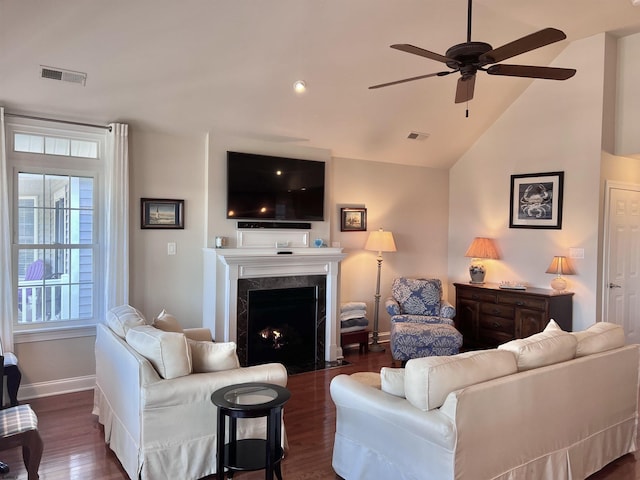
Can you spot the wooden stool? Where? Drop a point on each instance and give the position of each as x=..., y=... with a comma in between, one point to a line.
x=361, y=337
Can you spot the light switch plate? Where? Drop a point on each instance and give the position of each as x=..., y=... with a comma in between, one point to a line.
x=576, y=253
x=171, y=248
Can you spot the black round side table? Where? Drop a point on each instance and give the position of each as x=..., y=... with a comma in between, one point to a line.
x=250, y=400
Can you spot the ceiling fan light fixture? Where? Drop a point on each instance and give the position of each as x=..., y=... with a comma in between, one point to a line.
x=299, y=86
x=635, y=3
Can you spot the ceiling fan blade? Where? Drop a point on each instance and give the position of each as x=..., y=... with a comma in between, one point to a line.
x=438, y=74
x=464, y=91
x=405, y=47
x=530, y=42
x=549, y=73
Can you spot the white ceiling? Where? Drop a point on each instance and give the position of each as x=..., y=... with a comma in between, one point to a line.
x=229, y=66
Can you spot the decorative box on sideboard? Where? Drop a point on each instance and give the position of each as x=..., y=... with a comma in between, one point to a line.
x=488, y=316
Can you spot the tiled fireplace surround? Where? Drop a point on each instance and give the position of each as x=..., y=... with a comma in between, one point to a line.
x=258, y=263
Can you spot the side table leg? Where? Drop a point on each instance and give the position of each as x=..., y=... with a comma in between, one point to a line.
x=220, y=445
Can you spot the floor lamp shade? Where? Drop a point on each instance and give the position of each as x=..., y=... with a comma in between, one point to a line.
x=479, y=249
x=378, y=241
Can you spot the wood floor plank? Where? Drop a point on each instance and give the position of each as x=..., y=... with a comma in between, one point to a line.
x=74, y=447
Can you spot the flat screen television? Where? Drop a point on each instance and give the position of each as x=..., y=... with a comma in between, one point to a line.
x=262, y=187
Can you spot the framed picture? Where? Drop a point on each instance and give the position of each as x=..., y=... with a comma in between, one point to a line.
x=353, y=219
x=536, y=200
x=161, y=213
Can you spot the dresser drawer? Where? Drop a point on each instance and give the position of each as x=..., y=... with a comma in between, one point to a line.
x=522, y=301
x=493, y=338
x=478, y=295
x=498, y=324
x=496, y=310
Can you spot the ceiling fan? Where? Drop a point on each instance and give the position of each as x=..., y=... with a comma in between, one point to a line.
x=469, y=57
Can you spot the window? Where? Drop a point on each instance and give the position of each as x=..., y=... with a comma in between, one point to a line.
x=56, y=218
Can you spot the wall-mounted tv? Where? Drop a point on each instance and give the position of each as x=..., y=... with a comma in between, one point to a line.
x=262, y=187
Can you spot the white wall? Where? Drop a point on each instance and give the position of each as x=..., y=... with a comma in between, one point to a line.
x=553, y=126
x=411, y=202
x=167, y=166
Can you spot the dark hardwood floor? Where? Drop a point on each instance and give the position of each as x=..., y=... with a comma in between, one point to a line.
x=74, y=446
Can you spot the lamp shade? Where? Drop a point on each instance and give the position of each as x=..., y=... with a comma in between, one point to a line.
x=560, y=266
x=482, y=248
x=380, y=241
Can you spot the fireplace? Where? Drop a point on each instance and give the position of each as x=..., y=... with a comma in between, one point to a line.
x=230, y=273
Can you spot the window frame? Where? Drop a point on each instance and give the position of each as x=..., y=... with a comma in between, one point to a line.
x=55, y=164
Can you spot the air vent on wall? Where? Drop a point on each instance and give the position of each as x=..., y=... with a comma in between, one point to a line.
x=63, y=75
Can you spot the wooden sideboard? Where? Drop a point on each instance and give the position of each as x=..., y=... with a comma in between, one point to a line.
x=487, y=315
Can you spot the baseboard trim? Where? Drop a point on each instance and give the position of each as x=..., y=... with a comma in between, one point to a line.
x=56, y=387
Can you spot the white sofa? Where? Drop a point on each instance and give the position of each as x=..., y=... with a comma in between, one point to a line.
x=161, y=428
x=554, y=406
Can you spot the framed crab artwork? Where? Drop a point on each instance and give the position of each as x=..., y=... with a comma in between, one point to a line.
x=536, y=200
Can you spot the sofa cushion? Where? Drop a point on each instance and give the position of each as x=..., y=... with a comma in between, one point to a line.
x=392, y=381
x=167, y=322
x=168, y=352
x=121, y=319
x=599, y=337
x=418, y=296
x=428, y=381
x=541, y=349
x=213, y=357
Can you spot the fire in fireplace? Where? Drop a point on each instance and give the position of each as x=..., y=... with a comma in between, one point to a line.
x=282, y=326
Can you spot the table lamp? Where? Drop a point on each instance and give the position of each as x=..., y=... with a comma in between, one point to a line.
x=379, y=241
x=479, y=249
x=560, y=266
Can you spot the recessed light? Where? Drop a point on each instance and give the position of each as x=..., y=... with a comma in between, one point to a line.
x=299, y=86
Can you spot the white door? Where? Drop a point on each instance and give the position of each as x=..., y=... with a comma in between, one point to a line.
x=622, y=257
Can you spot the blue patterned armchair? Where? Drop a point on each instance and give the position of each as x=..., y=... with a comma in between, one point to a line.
x=421, y=321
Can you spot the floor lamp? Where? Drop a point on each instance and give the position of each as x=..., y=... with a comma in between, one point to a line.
x=378, y=241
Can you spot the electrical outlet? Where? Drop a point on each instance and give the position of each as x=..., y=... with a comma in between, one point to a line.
x=171, y=248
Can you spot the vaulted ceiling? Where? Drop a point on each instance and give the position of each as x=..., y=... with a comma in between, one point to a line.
x=195, y=66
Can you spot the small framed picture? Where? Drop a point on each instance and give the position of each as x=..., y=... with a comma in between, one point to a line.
x=536, y=200
x=353, y=219
x=161, y=213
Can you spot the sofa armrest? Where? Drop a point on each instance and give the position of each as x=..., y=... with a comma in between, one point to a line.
x=198, y=334
x=359, y=406
x=447, y=310
x=392, y=306
x=198, y=387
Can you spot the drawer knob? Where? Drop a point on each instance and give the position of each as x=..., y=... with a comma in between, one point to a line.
x=519, y=303
x=474, y=296
x=496, y=325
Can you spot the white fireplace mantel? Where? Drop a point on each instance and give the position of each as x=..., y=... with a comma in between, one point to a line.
x=225, y=266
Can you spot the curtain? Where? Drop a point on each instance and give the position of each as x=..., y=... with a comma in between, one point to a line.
x=6, y=280
x=116, y=227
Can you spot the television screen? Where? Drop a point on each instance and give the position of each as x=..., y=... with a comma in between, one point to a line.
x=261, y=187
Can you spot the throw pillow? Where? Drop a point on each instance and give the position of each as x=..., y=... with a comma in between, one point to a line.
x=167, y=322
x=121, y=319
x=392, y=381
x=599, y=337
x=213, y=357
x=428, y=380
x=541, y=349
x=168, y=352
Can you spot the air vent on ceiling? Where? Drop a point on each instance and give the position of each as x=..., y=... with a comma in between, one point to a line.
x=63, y=75
x=417, y=136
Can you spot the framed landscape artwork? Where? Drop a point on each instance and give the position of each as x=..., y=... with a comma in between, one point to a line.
x=536, y=200
x=161, y=213
x=353, y=219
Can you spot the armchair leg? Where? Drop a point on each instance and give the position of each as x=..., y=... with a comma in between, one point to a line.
x=32, y=453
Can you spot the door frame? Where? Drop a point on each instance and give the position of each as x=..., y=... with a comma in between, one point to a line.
x=604, y=281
